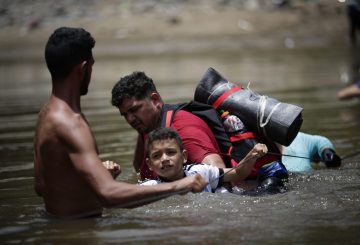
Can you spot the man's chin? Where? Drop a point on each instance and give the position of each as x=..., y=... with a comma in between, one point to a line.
x=83, y=92
x=139, y=130
x=142, y=130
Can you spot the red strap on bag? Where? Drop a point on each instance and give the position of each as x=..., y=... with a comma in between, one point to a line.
x=244, y=136
x=168, y=118
x=220, y=100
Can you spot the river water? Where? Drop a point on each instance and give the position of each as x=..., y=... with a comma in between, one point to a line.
x=322, y=207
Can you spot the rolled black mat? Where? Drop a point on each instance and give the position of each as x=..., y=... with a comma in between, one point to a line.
x=268, y=117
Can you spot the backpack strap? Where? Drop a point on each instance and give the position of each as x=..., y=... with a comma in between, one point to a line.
x=168, y=113
x=168, y=118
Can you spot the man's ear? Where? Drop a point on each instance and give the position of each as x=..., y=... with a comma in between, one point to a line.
x=81, y=68
x=156, y=99
x=84, y=64
x=148, y=162
x=185, y=156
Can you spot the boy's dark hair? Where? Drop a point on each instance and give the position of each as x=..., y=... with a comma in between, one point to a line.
x=163, y=134
x=66, y=48
x=136, y=85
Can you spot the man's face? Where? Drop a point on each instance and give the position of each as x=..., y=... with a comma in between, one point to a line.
x=166, y=159
x=143, y=115
x=87, y=76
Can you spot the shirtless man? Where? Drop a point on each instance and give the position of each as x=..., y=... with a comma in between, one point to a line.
x=69, y=174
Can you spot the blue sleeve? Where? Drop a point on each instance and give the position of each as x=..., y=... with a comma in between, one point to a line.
x=319, y=144
x=304, y=145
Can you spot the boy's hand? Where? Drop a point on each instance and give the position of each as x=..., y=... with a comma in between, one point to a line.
x=258, y=151
x=113, y=168
x=245, y=166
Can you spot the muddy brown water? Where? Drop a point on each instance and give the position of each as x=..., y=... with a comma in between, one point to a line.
x=322, y=207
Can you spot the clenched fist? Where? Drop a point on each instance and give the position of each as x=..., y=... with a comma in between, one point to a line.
x=113, y=168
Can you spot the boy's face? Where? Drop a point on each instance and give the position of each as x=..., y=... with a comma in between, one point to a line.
x=166, y=159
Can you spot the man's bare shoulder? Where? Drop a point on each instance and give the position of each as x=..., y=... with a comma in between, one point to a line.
x=58, y=118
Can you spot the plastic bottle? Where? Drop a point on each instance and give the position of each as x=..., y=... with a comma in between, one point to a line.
x=232, y=123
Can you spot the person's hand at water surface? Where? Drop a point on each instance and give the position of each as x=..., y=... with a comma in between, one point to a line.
x=113, y=168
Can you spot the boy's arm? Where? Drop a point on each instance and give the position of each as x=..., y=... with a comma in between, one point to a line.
x=214, y=160
x=243, y=169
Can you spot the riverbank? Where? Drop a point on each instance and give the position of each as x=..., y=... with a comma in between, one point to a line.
x=127, y=28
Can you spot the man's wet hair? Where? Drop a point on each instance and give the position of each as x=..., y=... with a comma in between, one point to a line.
x=66, y=48
x=163, y=134
x=136, y=85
